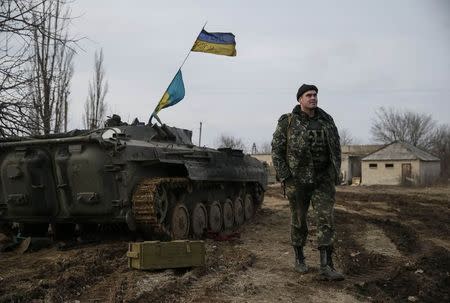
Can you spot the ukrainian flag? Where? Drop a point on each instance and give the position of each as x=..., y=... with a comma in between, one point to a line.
x=215, y=43
x=174, y=93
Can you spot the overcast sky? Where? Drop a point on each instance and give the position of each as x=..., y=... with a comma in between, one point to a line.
x=360, y=54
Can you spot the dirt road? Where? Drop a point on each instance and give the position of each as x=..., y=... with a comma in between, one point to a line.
x=393, y=247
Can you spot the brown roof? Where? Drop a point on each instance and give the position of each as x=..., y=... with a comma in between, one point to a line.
x=400, y=151
x=360, y=150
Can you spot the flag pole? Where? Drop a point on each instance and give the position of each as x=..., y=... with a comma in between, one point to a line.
x=190, y=50
x=184, y=61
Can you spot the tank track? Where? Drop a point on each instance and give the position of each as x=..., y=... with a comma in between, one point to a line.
x=144, y=210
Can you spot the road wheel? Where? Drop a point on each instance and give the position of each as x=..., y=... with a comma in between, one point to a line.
x=228, y=214
x=199, y=220
x=215, y=217
x=249, y=208
x=238, y=208
x=258, y=195
x=179, y=223
x=161, y=203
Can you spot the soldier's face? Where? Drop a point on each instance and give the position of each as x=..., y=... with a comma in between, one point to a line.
x=309, y=100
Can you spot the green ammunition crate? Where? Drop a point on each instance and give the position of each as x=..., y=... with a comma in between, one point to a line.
x=160, y=255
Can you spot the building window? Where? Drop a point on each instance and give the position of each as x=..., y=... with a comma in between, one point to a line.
x=373, y=165
x=389, y=165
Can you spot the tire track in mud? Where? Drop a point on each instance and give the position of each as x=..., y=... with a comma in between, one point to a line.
x=422, y=272
x=400, y=261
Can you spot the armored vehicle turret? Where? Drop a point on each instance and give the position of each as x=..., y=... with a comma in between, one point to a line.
x=151, y=178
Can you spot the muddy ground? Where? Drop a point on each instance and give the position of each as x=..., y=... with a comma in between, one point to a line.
x=393, y=247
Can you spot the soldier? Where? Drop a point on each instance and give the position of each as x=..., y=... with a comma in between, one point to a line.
x=307, y=157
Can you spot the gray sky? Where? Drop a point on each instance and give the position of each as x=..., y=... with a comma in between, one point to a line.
x=361, y=55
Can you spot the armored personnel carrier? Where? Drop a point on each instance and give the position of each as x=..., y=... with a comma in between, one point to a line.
x=150, y=178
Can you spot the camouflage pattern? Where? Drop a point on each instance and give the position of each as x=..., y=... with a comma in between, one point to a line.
x=298, y=152
x=321, y=196
x=291, y=150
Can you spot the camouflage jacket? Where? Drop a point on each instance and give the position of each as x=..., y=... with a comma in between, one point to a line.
x=291, y=153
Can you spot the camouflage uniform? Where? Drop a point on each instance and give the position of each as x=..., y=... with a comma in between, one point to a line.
x=307, y=157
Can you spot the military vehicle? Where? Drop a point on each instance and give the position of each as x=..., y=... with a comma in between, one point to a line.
x=151, y=178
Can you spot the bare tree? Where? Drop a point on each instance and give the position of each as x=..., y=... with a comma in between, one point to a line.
x=95, y=106
x=15, y=15
x=440, y=147
x=16, y=25
x=65, y=72
x=11, y=118
x=51, y=67
x=346, y=137
x=407, y=126
x=230, y=142
x=265, y=148
x=35, y=66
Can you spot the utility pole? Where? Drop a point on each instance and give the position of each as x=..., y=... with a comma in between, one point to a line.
x=200, y=135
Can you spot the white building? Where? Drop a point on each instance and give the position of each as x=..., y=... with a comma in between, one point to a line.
x=400, y=163
x=351, y=160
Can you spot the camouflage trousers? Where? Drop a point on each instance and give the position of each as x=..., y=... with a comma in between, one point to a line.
x=321, y=195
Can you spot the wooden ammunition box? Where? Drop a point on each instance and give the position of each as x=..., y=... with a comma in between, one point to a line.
x=161, y=255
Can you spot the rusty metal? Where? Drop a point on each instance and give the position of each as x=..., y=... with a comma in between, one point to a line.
x=145, y=209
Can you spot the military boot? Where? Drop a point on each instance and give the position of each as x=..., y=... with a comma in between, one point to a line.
x=300, y=265
x=327, y=271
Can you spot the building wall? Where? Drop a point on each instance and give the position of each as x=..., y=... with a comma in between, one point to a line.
x=355, y=166
x=351, y=160
x=345, y=168
x=350, y=167
x=422, y=172
x=429, y=171
x=388, y=176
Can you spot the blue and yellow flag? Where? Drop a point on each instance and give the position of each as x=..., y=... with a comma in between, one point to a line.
x=174, y=93
x=215, y=43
